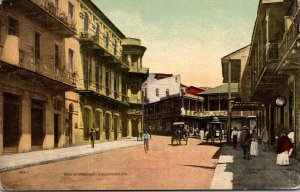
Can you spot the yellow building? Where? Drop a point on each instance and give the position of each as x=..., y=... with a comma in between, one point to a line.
x=106, y=77
x=35, y=74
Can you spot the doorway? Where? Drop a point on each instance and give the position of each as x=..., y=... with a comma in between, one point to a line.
x=11, y=122
x=37, y=124
x=56, y=129
x=116, y=126
x=107, y=125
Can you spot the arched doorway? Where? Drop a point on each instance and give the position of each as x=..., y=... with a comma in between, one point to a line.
x=98, y=123
x=116, y=126
x=108, y=125
x=87, y=121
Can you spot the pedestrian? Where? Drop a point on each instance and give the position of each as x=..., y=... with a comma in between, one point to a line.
x=197, y=132
x=291, y=135
x=245, y=142
x=202, y=133
x=264, y=139
x=93, y=137
x=239, y=135
x=234, y=137
x=284, y=144
x=254, y=144
x=146, y=137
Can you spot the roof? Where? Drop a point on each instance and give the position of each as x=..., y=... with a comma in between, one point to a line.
x=221, y=89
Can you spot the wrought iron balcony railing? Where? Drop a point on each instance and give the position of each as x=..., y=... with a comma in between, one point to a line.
x=98, y=41
x=87, y=85
x=57, y=13
x=46, y=69
x=290, y=38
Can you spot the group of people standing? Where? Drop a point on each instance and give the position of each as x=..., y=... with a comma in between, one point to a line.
x=249, y=143
x=248, y=140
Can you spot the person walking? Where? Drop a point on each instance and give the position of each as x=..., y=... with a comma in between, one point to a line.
x=284, y=144
x=93, y=137
x=146, y=138
x=254, y=144
x=245, y=142
x=264, y=139
x=234, y=134
x=202, y=133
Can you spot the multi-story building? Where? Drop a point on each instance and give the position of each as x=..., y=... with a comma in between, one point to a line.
x=34, y=74
x=179, y=107
x=272, y=73
x=109, y=79
x=133, y=51
x=159, y=85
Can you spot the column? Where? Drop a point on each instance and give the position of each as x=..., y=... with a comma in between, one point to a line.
x=138, y=64
x=129, y=129
x=1, y=123
x=49, y=125
x=25, y=128
x=129, y=60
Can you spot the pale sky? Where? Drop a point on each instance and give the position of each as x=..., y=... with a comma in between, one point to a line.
x=186, y=37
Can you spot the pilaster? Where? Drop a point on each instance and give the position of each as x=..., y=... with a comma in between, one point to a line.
x=25, y=128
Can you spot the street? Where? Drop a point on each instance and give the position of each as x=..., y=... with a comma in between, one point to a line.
x=164, y=167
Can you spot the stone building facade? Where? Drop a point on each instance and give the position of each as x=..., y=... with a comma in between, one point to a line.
x=34, y=75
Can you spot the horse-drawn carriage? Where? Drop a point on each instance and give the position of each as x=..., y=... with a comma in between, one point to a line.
x=215, y=130
x=179, y=132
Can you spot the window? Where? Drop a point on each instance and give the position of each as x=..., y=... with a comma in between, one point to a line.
x=37, y=47
x=97, y=70
x=55, y=3
x=106, y=39
x=107, y=82
x=86, y=71
x=70, y=63
x=167, y=92
x=71, y=10
x=56, y=57
x=114, y=44
x=13, y=26
x=157, y=92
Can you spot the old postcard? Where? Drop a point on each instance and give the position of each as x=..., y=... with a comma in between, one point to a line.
x=149, y=95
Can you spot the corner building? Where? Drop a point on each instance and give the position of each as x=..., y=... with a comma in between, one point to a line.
x=34, y=75
x=109, y=78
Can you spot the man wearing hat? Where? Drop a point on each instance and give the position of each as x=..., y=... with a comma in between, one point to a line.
x=245, y=142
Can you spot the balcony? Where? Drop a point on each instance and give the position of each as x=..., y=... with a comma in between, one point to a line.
x=86, y=86
x=46, y=13
x=142, y=70
x=96, y=42
x=289, y=48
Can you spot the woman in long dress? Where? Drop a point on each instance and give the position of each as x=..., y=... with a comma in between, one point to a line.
x=234, y=137
x=254, y=144
x=284, y=145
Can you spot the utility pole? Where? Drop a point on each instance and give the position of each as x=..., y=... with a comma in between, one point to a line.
x=229, y=104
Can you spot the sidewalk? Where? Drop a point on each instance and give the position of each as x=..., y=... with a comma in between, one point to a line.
x=20, y=160
x=234, y=172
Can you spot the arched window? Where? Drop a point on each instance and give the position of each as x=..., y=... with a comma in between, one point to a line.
x=86, y=23
x=114, y=44
x=157, y=92
x=106, y=39
x=96, y=31
x=167, y=92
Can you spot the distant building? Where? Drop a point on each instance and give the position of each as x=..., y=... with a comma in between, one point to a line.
x=160, y=85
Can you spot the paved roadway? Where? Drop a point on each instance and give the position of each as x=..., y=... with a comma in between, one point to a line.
x=164, y=167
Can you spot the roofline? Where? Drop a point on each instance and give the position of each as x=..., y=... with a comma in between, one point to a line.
x=105, y=18
x=235, y=51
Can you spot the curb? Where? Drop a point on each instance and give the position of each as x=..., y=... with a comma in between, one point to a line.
x=6, y=169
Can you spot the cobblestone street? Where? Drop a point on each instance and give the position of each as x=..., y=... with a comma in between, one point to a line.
x=164, y=167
